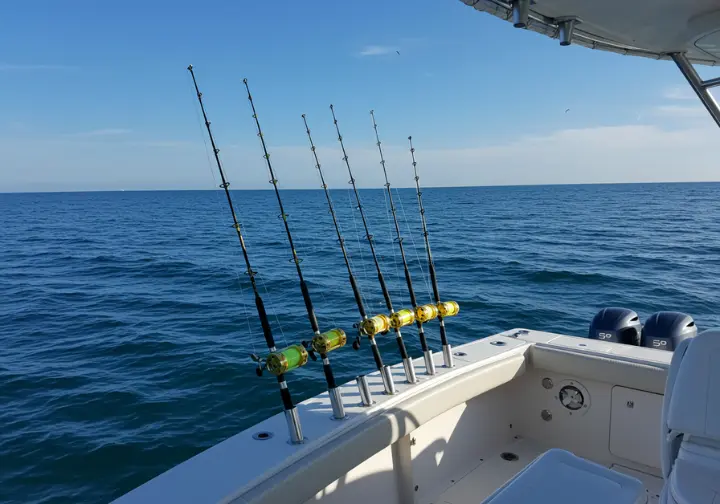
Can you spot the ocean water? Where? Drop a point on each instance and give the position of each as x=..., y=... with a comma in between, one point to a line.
x=126, y=320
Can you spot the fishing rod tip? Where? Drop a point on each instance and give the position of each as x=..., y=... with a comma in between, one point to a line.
x=190, y=67
x=410, y=137
x=303, y=116
x=245, y=81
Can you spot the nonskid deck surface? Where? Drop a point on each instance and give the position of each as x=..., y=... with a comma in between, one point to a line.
x=494, y=470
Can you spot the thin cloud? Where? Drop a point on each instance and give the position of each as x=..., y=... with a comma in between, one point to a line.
x=680, y=111
x=679, y=93
x=104, y=132
x=11, y=67
x=377, y=50
x=169, y=144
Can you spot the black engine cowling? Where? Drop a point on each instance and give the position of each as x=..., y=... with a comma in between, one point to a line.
x=665, y=330
x=618, y=325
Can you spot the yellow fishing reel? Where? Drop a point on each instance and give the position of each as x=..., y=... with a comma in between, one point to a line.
x=426, y=313
x=370, y=327
x=402, y=318
x=379, y=324
x=281, y=361
x=325, y=342
x=448, y=308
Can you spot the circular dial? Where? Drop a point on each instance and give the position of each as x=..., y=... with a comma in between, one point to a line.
x=571, y=397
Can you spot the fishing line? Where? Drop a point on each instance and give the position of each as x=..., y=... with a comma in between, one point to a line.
x=390, y=235
x=278, y=362
x=370, y=327
x=399, y=319
x=444, y=308
x=322, y=343
x=423, y=274
x=218, y=204
x=418, y=314
x=353, y=208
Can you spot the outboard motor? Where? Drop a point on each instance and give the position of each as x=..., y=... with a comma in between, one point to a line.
x=665, y=330
x=618, y=325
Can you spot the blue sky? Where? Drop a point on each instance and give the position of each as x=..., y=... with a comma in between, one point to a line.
x=95, y=95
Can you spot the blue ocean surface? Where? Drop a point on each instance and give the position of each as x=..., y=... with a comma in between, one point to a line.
x=126, y=320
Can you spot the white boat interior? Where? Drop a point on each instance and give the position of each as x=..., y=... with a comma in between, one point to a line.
x=457, y=437
x=521, y=416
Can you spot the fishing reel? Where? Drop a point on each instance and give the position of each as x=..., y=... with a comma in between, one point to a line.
x=402, y=318
x=426, y=313
x=325, y=342
x=281, y=361
x=448, y=308
x=370, y=327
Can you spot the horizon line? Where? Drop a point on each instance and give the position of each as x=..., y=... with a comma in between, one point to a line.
x=70, y=191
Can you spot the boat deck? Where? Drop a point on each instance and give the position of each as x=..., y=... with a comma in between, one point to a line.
x=493, y=471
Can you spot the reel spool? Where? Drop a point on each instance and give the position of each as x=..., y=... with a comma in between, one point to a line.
x=448, y=308
x=282, y=361
x=329, y=341
x=379, y=324
x=426, y=313
x=402, y=318
x=375, y=325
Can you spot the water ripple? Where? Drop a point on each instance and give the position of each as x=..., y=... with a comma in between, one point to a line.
x=126, y=341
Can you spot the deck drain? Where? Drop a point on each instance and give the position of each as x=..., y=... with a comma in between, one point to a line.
x=460, y=354
x=497, y=343
x=262, y=435
x=510, y=457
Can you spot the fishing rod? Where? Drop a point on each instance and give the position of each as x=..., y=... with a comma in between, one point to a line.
x=419, y=314
x=370, y=327
x=278, y=362
x=397, y=320
x=321, y=343
x=445, y=308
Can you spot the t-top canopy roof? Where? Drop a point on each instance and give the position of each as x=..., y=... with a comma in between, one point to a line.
x=651, y=28
x=685, y=31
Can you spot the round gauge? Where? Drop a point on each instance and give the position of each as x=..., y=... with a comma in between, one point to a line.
x=571, y=397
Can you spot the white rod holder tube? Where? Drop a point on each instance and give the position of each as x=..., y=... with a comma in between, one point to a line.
x=387, y=379
x=448, y=356
x=429, y=363
x=336, y=403
x=364, y=389
x=294, y=428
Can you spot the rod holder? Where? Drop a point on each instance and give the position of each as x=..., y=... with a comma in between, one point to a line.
x=566, y=27
x=429, y=363
x=364, y=389
x=387, y=379
x=410, y=375
x=448, y=356
x=336, y=403
x=294, y=428
x=520, y=13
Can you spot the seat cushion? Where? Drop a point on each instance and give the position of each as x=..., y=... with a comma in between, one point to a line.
x=559, y=477
x=695, y=399
x=692, y=483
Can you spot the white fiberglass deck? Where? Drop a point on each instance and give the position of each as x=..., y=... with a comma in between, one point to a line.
x=492, y=471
